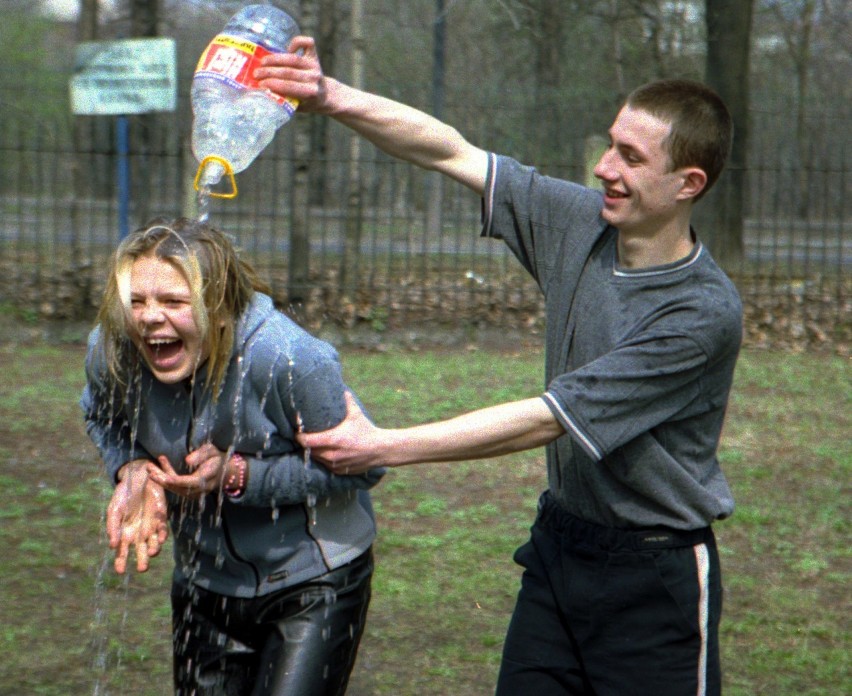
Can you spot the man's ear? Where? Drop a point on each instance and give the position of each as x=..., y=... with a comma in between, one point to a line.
x=694, y=181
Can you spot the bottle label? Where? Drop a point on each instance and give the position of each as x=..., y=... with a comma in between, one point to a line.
x=233, y=60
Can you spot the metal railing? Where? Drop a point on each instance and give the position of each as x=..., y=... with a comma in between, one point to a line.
x=59, y=220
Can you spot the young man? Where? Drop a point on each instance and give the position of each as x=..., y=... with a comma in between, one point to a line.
x=621, y=591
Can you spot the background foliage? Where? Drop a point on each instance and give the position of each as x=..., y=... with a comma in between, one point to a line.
x=381, y=244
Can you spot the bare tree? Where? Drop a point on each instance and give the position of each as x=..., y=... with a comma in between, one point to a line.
x=721, y=213
x=87, y=26
x=87, y=30
x=327, y=38
x=656, y=33
x=795, y=21
x=144, y=23
x=144, y=15
x=549, y=58
x=434, y=180
x=354, y=198
x=617, y=47
x=298, y=263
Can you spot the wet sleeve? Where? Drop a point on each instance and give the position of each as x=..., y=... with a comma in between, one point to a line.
x=312, y=396
x=105, y=419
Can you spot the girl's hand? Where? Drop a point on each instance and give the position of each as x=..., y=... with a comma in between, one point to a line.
x=207, y=471
x=136, y=516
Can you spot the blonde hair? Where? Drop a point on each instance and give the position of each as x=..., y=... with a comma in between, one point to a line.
x=221, y=287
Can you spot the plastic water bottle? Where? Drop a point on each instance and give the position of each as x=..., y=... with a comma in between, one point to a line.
x=233, y=119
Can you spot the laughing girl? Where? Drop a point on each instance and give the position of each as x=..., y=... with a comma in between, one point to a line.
x=196, y=388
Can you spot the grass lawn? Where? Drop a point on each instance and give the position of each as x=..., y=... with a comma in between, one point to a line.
x=445, y=582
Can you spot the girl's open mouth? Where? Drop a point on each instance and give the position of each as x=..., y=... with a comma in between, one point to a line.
x=163, y=352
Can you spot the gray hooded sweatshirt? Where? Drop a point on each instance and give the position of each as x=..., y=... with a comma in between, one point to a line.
x=295, y=520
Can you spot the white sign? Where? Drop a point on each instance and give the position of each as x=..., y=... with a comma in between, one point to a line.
x=131, y=76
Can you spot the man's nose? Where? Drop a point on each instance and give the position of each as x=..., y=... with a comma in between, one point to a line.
x=603, y=169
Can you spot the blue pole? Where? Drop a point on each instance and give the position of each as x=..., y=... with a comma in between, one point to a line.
x=123, y=146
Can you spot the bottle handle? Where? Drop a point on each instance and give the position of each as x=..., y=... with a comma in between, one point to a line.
x=229, y=172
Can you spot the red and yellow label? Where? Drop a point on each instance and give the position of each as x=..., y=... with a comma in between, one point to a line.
x=234, y=60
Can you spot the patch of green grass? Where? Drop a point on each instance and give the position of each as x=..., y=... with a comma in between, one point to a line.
x=445, y=581
x=28, y=316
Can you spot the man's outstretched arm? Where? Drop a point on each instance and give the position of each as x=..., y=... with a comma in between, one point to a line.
x=357, y=445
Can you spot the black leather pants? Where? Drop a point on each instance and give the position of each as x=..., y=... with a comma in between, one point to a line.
x=301, y=641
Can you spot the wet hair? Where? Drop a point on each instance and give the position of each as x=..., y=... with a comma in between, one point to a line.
x=221, y=287
x=701, y=126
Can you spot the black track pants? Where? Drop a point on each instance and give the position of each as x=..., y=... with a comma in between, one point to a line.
x=613, y=613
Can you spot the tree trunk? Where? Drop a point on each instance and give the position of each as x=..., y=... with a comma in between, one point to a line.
x=546, y=108
x=327, y=40
x=720, y=215
x=354, y=198
x=87, y=25
x=144, y=16
x=435, y=181
x=618, y=54
x=803, y=58
x=298, y=276
x=87, y=30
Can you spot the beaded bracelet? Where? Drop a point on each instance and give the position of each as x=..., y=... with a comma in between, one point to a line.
x=236, y=481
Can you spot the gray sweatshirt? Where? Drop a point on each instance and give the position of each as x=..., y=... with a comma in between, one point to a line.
x=295, y=520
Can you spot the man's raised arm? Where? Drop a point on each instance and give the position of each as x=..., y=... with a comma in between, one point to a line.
x=399, y=130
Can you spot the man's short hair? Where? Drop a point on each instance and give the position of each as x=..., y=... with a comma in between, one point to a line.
x=702, y=129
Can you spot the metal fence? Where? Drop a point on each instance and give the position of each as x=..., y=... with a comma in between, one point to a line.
x=61, y=211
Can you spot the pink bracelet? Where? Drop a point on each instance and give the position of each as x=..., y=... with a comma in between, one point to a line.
x=236, y=482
